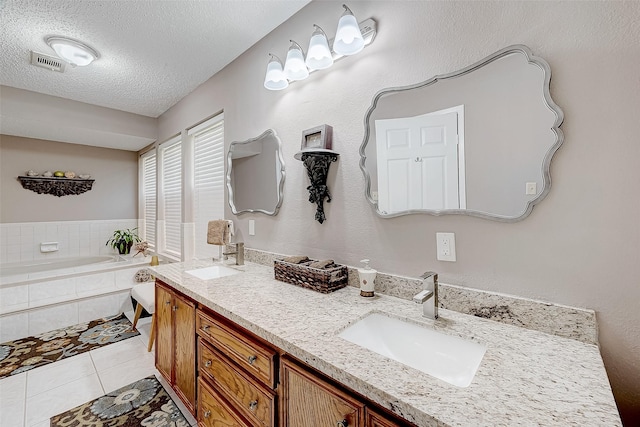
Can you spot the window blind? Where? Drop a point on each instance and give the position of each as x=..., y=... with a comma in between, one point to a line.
x=171, y=157
x=208, y=151
x=149, y=197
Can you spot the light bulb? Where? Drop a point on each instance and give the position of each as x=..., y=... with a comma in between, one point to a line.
x=319, y=55
x=295, y=67
x=348, y=39
x=275, y=78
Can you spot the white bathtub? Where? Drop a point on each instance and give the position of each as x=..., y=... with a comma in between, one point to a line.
x=53, y=265
x=39, y=296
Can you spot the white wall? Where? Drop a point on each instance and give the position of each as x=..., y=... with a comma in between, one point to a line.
x=580, y=246
x=114, y=193
x=36, y=115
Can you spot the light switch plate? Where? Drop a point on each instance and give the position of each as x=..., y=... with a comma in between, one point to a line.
x=252, y=227
x=446, y=247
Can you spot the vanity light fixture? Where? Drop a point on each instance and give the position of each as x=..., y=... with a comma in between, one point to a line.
x=319, y=55
x=73, y=51
x=275, y=78
x=350, y=39
x=295, y=67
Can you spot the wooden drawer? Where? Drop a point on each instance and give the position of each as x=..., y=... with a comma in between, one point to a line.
x=309, y=401
x=376, y=419
x=214, y=411
x=249, y=397
x=247, y=353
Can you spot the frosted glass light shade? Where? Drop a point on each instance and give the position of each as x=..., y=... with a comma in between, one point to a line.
x=275, y=78
x=319, y=55
x=348, y=39
x=295, y=67
x=72, y=51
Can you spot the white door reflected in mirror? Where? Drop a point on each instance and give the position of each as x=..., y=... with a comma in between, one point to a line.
x=421, y=162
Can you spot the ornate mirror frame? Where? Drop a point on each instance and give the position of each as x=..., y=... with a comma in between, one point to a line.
x=280, y=170
x=555, y=128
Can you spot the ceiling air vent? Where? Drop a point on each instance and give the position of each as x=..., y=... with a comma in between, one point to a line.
x=49, y=62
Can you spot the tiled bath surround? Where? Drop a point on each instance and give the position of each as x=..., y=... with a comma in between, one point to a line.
x=65, y=297
x=21, y=241
x=568, y=322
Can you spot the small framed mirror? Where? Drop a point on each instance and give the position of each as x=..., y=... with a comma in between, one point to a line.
x=477, y=141
x=255, y=174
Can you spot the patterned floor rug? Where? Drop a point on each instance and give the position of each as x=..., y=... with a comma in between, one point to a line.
x=32, y=352
x=142, y=403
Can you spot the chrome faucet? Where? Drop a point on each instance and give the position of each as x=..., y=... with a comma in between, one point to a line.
x=430, y=292
x=239, y=253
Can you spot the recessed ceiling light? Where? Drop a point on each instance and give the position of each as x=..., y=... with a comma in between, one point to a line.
x=72, y=51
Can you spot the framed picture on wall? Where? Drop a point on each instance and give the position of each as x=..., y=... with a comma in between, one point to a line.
x=318, y=137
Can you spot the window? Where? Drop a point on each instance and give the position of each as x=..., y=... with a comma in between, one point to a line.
x=148, y=198
x=208, y=182
x=182, y=189
x=170, y=196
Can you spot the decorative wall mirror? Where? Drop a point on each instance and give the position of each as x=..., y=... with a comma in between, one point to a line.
x=478, y=141
x=255, y=174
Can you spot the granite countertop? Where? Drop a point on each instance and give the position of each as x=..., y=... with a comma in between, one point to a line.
x=526, y=377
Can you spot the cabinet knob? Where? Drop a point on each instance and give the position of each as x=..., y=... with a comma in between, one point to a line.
x=207, y=414
x=175, y=308
x=167, y=302
x=252, y=359
x=253, y=405
x=343, y=423
x=207, y=364
x=206, y=328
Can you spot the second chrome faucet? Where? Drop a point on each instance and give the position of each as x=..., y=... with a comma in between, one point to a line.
x=428, y=297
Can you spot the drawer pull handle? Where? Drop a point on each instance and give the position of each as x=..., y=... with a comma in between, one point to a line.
x=207, y=364
x=343, y=423
x=206, y=328
x=252, y=359
x=207, y=414
x=167, y=302
x=175, y=308
x=253, y=405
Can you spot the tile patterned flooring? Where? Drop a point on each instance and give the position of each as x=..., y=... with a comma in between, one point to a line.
x=29, y=399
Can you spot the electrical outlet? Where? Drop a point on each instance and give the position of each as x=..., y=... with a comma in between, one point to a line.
x=252, y=227
x=531, y=188
x=446, y=246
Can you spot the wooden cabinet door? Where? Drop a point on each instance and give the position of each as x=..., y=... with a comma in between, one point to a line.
x=309, y=401
x=164, y=332
x=184, y=335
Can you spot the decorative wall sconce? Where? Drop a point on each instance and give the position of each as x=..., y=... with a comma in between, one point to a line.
x=350, y=39
x=316, y=155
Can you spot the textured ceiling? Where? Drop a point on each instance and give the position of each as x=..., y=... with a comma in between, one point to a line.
x=153, y=53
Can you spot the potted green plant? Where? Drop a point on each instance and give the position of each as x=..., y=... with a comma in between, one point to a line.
x=122, y=240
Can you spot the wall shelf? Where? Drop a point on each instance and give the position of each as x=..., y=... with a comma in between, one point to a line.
x=56, y=186
x=317, y=162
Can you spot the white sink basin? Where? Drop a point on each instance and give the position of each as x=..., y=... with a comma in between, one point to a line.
x=214, y=272
x=446, y=357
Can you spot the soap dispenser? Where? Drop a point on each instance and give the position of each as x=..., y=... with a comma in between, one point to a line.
x=367, y=278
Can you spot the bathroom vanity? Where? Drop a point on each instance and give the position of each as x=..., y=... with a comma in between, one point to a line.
x=259, y=352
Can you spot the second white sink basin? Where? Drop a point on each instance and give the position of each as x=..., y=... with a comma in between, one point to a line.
x=451, y=359
x=214, y=272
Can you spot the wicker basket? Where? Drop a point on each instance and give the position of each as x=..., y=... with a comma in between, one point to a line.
x=321, y=280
